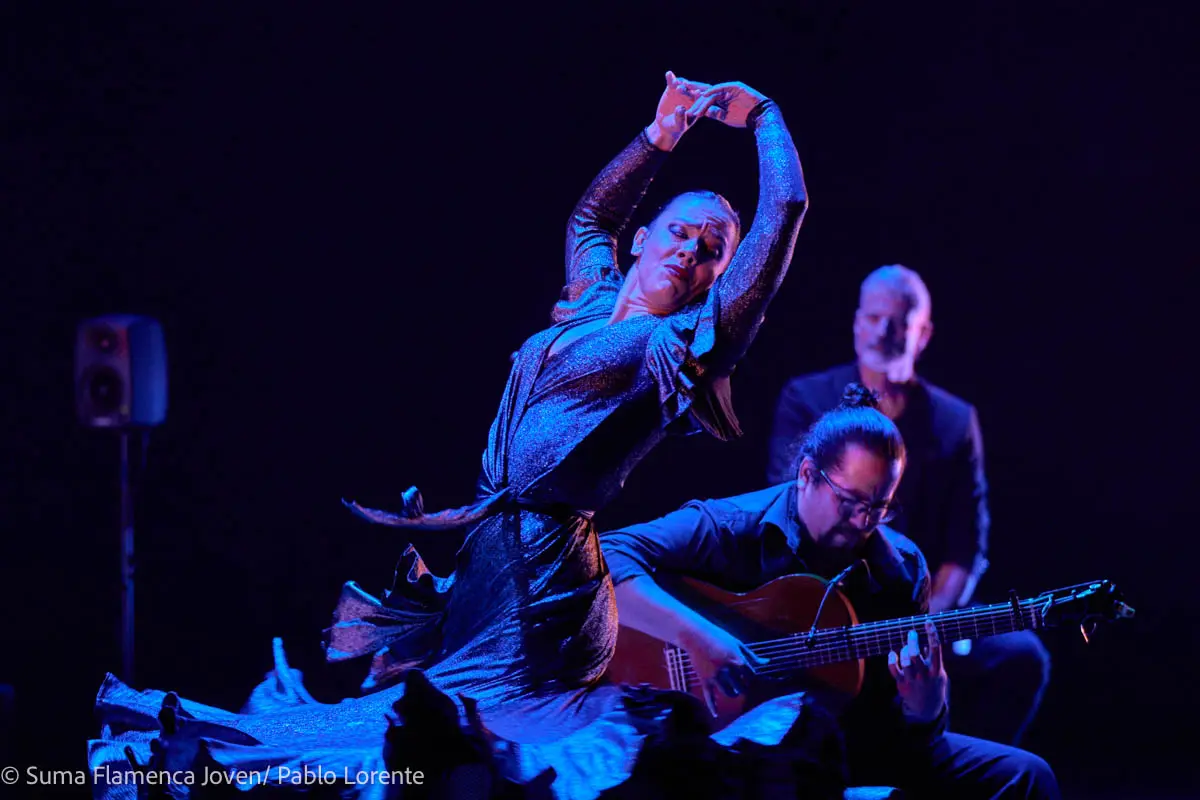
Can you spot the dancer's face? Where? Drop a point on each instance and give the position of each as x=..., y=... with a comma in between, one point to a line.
x=683, y=251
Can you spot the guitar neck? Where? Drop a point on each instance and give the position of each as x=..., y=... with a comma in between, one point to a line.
x=780, y=605
x=851, y=642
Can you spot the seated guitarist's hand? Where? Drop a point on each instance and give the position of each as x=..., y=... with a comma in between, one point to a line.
x=721, y=662
x=920, y=677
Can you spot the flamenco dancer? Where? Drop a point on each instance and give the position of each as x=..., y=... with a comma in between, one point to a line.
x=520, y=634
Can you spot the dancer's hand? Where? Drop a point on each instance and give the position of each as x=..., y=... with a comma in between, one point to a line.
x=730, y=103
x=671, y=119
x=920, y=677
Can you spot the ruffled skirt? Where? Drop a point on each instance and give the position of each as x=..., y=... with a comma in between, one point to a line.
x=572, y=747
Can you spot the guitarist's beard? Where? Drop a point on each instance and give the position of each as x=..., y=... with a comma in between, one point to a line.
x=838, y=548
x=843, y=542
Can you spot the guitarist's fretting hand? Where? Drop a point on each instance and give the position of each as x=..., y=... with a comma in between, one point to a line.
x=721, y=662
x=920, y=677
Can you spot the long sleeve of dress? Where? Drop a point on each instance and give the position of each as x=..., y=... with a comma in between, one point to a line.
x=692, y=357
x=605, y=209
x=746, y=288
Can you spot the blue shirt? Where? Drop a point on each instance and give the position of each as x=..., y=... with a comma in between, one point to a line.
x=739, y=543
x=943, y=495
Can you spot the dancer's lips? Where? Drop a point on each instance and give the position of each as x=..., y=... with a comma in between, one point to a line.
x=677, y=271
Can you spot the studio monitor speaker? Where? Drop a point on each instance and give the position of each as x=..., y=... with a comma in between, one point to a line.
x=120, y=372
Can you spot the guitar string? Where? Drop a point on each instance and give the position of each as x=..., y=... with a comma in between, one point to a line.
x=886, y=628
x=849, y=639
x=807, y=657
x=801, y=658
x=836, y=639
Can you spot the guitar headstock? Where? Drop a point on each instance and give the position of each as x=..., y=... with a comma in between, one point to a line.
x=1087, y=604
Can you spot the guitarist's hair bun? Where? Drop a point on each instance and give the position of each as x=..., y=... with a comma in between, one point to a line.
x=856, y=395
x=856, y=420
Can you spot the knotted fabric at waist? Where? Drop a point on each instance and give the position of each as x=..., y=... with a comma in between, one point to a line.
x=412, y=515
x=403, y=628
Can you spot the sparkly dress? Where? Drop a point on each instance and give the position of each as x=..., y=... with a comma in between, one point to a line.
x=526, y=624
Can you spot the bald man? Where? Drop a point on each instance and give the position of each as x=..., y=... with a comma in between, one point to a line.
x=942, y=498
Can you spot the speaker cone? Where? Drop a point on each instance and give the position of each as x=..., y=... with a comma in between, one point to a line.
x=105, y=390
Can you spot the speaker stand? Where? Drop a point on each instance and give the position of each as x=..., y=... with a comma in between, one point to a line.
x=126, y=565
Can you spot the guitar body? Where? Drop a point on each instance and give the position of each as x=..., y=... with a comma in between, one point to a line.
x=774, y=610
x=775, y=619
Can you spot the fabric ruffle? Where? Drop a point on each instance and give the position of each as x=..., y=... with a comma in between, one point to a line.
x=267, y=751
x=675, y=357
x=586, y=295
x=402, y=631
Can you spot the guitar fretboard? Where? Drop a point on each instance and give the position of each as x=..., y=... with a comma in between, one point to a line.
x=799, y=651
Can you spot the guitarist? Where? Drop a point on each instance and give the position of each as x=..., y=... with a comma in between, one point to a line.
x=827, y=519
x=998, y=682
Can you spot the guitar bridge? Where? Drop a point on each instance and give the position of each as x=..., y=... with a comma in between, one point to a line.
x=676, y=667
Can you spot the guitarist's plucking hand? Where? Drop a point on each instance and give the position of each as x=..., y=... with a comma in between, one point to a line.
x=721, y=661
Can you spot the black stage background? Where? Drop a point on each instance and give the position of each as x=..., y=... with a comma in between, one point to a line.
x=347, y=218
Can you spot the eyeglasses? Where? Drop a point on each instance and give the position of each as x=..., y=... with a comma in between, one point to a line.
x=851, y=507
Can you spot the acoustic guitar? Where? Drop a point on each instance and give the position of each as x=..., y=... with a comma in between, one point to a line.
x=776, y=621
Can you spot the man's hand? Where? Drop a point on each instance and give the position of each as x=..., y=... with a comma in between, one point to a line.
x=721, y=662
x=920, y=677
x=671, y=119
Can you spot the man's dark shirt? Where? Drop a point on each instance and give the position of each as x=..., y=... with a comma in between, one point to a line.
x=943, y=494
x=739, y=543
